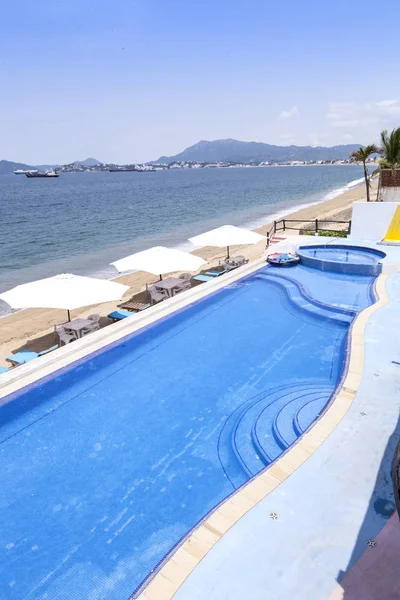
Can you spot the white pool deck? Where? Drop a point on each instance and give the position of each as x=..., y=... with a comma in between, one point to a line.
x=335, y=502
x=330, y=505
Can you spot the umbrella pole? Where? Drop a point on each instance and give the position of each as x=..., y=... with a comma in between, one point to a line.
x=160, y=277
x=69, y=315
x=227, y=252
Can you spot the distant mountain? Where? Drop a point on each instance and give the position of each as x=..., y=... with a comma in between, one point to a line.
x=7, y=166
x=235, y=151
x=89, y=162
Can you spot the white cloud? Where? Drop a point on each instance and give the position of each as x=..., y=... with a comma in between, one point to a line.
x=385, y=107
x=288, y=114
x=351, y=115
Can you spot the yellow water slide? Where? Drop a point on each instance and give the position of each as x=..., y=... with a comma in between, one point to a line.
x=393, y=233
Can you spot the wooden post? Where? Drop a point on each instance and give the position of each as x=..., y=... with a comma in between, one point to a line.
x=349, y=232
x=274, y=226
x=316, y=225
x=284, y=224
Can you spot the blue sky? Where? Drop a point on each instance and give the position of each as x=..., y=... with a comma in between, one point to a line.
x=128, y=81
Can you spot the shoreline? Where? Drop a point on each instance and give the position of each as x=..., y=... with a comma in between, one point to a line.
x=334, y=193
x=33, y=328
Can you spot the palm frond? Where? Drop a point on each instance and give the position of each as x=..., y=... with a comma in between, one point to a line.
x=364, y=152
x=391, y=148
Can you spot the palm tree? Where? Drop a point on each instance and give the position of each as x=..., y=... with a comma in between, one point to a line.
x=390, y=149
x=361, y=155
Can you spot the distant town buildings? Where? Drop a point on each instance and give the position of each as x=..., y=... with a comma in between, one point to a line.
x=78, y=167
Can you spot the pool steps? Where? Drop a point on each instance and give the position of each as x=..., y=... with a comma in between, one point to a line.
x=305, y=302
x=257, y=432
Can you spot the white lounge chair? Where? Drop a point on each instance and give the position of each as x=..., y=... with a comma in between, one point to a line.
x=95, y=318
x=157, y=295
x=65, y=337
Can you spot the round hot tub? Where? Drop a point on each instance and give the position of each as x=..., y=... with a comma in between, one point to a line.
x=342, y=259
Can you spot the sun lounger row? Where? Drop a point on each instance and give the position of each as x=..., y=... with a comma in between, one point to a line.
x=226, y=265
x=161, y=290
x=158, y=292
x=66, y=333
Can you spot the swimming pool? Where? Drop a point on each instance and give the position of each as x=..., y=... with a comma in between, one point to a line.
x=108, y=464
x=342, y=258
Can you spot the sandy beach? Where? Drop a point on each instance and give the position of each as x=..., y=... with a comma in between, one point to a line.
x=34, y=328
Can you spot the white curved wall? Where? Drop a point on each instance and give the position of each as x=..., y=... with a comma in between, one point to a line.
x=371, y=220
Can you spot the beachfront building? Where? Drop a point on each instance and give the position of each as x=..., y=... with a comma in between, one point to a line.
x=390, y=185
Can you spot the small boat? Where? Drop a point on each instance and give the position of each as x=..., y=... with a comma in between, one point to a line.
x=283, y=259
x=49, y=173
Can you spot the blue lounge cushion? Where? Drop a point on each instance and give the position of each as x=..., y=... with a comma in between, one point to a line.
x=48, y=350
x=119, y=314
x=22, y=357
x=3, y=370
x=203, y=278
x=25, y=356
x=214, y=273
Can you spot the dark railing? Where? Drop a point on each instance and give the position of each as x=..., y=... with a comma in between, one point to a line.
x=317, y=225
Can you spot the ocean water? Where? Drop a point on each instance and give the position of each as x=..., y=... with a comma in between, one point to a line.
x=81, y=222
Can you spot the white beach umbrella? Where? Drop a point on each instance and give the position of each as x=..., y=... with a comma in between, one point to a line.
x=159, y=260
x=64, y=291
x=227, y=235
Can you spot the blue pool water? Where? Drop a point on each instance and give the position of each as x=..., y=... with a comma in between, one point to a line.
x=344, y=254
x=107, y=465
x=342, y=259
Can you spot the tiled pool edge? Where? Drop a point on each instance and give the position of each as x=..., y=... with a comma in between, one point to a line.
x=171, y=575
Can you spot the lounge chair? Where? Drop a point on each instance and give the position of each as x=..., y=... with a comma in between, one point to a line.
x=134, y=306
x=65, y=337
x=216, y=272
x=3, y=370
x=157, y=295
x=118, y=315
x=25, y=356
x=203, y=278
x=186, y=276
